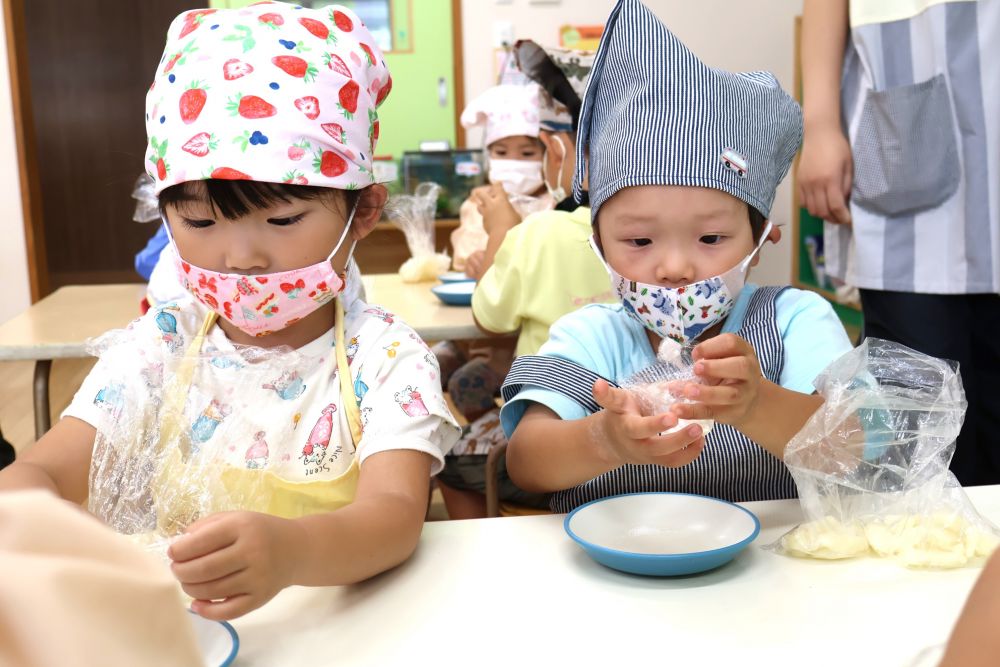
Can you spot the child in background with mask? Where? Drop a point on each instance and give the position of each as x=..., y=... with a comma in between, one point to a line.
x=263, y=171
x=683, y=165
x=509, y=113
x=536, y=271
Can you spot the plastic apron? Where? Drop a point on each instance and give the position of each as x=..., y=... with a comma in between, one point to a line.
x=222, y=486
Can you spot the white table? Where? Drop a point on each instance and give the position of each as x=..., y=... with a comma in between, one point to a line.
x=58, y=326
x=416, y=305
x=518, y=591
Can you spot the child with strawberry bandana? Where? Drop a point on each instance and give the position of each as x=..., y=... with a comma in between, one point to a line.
x=262, y=122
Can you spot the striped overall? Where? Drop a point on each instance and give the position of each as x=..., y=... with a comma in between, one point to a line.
x=731, y=467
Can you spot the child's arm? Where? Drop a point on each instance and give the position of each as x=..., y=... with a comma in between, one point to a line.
x=497, y=302
x=825, y=168
x=974, y=641
x=734, y=392
x=499, y=217
x=59, y=462
x=547, y=453
x=243, y=559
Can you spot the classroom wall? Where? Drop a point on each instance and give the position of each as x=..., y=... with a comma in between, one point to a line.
x=13, y=254
x=753, y=36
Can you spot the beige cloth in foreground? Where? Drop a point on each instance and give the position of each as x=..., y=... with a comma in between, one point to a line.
x=73, y=592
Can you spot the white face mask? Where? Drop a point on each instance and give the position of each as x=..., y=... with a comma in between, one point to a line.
x=518, y=177
x=682, y=313
x=558, y=193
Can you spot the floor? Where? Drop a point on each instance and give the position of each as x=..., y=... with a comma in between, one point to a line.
x=17, y=421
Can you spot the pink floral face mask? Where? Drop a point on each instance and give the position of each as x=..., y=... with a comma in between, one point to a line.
x=263, y=303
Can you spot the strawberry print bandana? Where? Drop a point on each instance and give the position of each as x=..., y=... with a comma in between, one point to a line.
x=273, y=92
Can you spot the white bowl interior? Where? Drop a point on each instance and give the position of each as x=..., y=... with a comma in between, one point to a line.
x=455, y=288
x=455, y=276
x=214, y=640
x=662, y=524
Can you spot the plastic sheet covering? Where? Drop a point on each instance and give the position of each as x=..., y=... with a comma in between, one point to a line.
x=175, y=441
x=655, y=386
x=871, y=464
x=147, y=204
x=414, y=215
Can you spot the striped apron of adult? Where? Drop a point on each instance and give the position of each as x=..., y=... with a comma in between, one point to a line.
x=731, y=466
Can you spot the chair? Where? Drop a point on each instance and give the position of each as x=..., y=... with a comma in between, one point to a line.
x=494, y=507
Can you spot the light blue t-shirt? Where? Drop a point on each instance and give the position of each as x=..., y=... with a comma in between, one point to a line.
x=605, y=339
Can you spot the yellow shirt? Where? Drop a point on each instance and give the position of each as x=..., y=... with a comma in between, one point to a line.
x=544, y=269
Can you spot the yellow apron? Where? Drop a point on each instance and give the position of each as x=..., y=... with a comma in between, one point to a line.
x=185, y=491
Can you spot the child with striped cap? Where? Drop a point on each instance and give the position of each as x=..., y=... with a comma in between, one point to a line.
x=683, y=161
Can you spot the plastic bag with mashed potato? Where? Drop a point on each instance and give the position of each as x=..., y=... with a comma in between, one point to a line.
x=871, y=464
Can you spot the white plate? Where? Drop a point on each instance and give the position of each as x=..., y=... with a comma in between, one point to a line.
x=455, y=277
x=662, y=533
x=217, y=640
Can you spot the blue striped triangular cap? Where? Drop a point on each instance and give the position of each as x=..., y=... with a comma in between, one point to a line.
x=654, y=114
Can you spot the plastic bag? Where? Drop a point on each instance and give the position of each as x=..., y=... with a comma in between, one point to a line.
x=652, y=386
x=414, y=215
x=871, y=464
x=177, y=440
x=526, y=205
x=147, y=203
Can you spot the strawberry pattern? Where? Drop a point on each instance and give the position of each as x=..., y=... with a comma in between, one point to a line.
x=273, y=92
x=259, y=304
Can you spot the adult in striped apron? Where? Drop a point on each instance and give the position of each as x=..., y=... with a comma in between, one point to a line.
x=902, y=158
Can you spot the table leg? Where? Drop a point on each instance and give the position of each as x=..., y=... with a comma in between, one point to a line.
x=41, y=395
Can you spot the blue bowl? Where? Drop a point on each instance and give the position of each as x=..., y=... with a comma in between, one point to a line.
x=662, y=534
x=217, y=641
x=455, y=294
x=455, y=277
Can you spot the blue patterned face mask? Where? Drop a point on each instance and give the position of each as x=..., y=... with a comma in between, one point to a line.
x=682, y=313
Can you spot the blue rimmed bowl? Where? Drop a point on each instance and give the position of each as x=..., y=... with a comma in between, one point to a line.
x=455, y=277
x=662, y=534
x=455, y=294
x=217, y=640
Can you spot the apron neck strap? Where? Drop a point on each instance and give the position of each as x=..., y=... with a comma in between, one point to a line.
x=349, y=400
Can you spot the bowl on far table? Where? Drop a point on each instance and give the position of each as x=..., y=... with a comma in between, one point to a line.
x=455, y=294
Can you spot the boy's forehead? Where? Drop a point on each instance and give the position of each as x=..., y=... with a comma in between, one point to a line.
x=665, y=202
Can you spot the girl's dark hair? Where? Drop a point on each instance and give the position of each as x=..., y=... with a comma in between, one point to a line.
x=757, y=223
x=237, y=198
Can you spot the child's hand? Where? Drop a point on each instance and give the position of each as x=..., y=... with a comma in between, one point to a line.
x=728, y=367
x=495, y=207
x=474, y=264
x=233, y=562
x=631, y=437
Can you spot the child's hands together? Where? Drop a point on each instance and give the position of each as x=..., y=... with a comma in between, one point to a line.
x=630, y=437
x=233, y=562
x=496, y=209
x=728, y=368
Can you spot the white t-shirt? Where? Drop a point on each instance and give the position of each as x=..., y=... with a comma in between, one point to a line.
x=279, y=409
